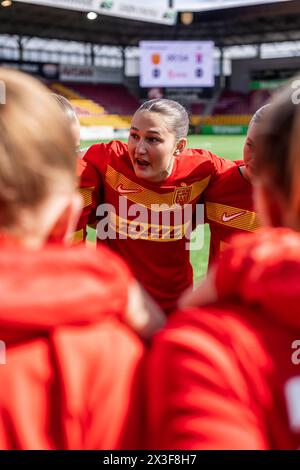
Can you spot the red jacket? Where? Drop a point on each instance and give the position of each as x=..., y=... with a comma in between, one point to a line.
x=72, y=367
x=227, y=376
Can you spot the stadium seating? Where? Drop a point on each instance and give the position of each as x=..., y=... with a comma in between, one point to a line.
x=115, y=99
x=232, y=109
x=88, y=109
x=235, y=103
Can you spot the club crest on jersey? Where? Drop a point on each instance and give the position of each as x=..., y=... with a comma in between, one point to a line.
x=182, y=195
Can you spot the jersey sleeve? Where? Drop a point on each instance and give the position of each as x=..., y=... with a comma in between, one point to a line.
x=219, y=167
x=252, y=269
x=90, y=171
x=197, y=396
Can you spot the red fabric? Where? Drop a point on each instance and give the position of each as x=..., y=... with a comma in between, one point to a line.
x=230, y=195
x=264, y=270
x=72, y=366
x=161, y=266
x=227, y=375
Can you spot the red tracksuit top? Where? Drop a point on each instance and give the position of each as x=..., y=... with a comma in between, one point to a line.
x=227, y=376
x=72, y=366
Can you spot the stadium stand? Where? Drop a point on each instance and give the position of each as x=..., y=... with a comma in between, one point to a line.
x=198, y=108
x=233, y=102
x=86, y=101
x=116, y=99
x=231, y=109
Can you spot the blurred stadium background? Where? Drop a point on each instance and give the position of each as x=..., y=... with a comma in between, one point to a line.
x=98, y=55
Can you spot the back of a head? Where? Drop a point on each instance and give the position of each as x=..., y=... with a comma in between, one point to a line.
x=258, y=116
x=173, y=111
x=36, y=146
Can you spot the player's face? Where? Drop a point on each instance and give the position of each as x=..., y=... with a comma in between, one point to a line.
x=250, y=148
x=152, y=146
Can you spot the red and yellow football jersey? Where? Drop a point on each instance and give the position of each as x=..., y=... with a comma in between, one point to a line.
x=229, y=209
x=148, y=224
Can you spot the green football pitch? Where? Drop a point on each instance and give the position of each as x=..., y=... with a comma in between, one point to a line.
x=230, y=147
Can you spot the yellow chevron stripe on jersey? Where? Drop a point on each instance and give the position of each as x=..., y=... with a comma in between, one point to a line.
x=244, y=220
x=86, y=194
x=147, y=197
x=152, y=232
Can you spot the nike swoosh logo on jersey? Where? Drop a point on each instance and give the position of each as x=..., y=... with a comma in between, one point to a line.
x=122, y=190
x=228, y=218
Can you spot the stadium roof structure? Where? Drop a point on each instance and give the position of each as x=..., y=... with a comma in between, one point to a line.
x=255, y=24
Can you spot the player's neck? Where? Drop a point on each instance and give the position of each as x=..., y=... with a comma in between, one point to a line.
x=244, y=173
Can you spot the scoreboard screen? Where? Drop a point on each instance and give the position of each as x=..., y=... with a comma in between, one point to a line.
x=176, y=64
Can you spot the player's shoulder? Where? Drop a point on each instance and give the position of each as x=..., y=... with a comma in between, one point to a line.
x=232, y=172
x=230, y=176
x=197, y=154
x=117, y=147
x=205, y=332
x=200, y=156
x=102, y=153
x=114, y=147
x=195, y=162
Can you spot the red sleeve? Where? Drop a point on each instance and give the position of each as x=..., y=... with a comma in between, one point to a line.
x=91, y=169
x=262, y=269
x=99, y=367
x=76, y=286
x=197, y=396
x=219, y=166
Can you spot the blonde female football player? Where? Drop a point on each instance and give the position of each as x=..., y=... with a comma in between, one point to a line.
x=68, y=314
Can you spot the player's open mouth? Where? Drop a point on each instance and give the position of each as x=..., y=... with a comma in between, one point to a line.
x=141, y=162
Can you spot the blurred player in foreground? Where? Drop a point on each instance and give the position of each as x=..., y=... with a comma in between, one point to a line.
x=227, y=369
x=68, y=315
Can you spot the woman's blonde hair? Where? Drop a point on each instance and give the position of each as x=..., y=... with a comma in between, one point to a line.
x=36, y=145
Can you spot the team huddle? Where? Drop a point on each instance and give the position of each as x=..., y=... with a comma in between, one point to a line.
x=113, y=348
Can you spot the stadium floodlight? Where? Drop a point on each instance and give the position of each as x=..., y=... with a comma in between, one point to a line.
x=91, y=15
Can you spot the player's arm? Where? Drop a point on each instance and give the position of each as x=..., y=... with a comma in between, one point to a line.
x=90, y=170
x=197, y=394
x=218, y=167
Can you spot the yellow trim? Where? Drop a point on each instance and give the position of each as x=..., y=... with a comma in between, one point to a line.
x=151, y=232
x=248, y=221
x=87, y=195
x=147, y=197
